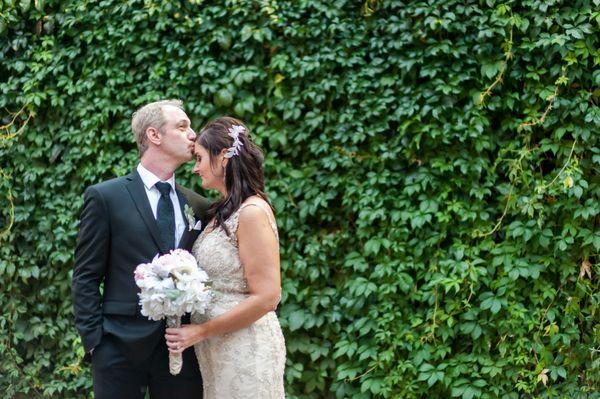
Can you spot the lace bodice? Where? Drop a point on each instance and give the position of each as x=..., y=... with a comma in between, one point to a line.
x=218, y=254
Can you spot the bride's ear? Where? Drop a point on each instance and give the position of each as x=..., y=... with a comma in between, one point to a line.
x=223, y=159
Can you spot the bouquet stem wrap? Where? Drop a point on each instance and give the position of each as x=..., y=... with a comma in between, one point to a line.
x=175, y=359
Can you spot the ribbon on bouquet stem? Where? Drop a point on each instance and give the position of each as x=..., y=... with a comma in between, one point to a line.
x=175, y=359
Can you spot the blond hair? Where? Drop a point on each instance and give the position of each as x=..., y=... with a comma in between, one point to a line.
x=150, y=115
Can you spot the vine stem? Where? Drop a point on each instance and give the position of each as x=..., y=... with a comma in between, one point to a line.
x=15, y=115
x=499, y=223
x=551, y=98
x=369, y=7
x=11, y=207
x=507, y=56
x=563, y=168
x=5, y=176
x=548, y=307
x=363, y=374
x=431, y=334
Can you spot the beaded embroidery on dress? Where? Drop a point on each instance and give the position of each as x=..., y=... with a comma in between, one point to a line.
x=248, y=363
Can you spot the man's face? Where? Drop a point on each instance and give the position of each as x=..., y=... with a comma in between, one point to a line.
x=177, y=134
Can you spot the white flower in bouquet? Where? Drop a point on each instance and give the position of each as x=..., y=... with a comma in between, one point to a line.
x=172, y=285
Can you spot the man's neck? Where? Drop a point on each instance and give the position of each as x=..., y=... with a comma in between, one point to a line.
x=160, y=168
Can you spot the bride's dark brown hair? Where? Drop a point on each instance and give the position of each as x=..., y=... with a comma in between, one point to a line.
x=244, y=175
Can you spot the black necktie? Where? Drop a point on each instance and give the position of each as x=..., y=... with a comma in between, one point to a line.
x=165, y=215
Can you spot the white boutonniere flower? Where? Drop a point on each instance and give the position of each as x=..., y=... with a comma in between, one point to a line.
x=190, y=217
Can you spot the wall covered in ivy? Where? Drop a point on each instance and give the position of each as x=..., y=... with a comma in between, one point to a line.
x=433, y=164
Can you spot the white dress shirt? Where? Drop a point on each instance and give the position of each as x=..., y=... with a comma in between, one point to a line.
x=150, y=179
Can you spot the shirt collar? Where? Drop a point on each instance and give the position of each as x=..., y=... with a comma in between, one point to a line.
x=150, y=179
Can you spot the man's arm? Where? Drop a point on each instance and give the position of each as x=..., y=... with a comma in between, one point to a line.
x=91, y=258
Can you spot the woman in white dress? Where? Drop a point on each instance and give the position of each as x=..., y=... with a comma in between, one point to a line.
x=238, y=341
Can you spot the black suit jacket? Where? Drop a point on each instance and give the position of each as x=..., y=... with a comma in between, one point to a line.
x=117, y=232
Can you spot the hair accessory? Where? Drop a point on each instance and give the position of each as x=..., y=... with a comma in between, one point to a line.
x=234, y=132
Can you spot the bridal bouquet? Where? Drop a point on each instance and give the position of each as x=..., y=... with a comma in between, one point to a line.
x=172, y=285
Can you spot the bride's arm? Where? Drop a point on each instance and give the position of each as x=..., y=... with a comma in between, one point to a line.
x=259, y=254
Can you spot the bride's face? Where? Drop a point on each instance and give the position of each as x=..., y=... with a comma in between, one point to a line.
x=210, y=173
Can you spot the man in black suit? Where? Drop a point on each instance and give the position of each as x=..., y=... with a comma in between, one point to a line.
x=124, y=222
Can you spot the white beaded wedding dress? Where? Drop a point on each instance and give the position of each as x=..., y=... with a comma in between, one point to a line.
x=247, y=363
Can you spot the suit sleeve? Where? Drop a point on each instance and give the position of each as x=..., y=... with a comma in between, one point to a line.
x=91, y=259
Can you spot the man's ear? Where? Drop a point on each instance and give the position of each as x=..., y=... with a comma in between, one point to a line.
x=153, y=135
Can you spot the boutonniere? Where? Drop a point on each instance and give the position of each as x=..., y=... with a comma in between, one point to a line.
x=189, y=215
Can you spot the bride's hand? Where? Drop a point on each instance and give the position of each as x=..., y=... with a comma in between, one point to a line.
x=179, y=339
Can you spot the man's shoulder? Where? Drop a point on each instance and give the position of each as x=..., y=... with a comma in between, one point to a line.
x=196, y=201
x=110, y=185
x=188, y=192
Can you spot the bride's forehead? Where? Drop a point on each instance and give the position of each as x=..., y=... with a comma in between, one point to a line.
x=199, y=149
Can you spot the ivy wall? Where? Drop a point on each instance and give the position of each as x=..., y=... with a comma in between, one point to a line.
x=433, y=164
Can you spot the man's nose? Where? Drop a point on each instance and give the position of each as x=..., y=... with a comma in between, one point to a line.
x=191, y=134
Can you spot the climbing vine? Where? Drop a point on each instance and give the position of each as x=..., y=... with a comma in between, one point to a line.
x=433, y=167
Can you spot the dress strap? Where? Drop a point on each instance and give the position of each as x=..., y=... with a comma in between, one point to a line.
x=271, y=221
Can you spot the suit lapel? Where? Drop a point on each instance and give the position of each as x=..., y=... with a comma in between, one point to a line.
x=140, y=199
x=182, y=202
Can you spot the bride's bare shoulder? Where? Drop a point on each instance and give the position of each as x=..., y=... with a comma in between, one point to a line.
x=255, y=208
x=255, y=200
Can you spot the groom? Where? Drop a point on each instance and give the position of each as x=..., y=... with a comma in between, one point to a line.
x=124, y=222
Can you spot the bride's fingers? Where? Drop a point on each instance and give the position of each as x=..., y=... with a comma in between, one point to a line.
x=175, y=347
x=175, y=350
x=173, y=335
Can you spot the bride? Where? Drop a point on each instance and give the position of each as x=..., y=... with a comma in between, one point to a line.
x=238, y=341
